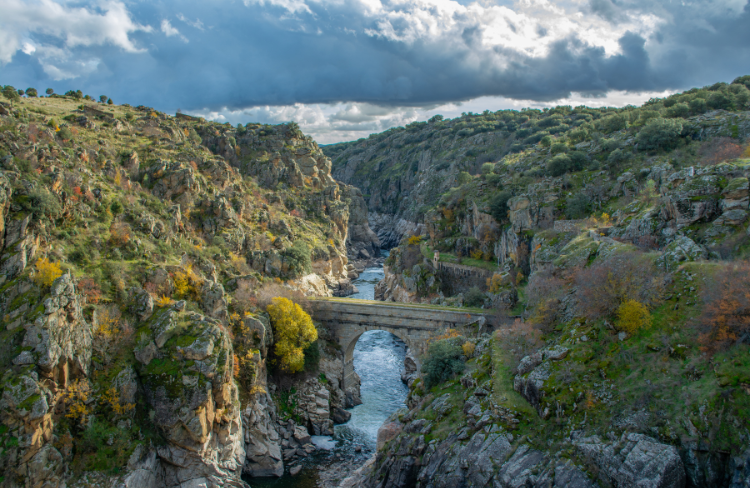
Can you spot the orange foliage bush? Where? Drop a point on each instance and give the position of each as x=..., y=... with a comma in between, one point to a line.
x=719, y=149
x=606, y=284
x=119, y=234
x=89, y=289
x=726, y=314
x=520, y=339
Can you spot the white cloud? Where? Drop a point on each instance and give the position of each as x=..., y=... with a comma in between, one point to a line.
x=291, y=6
x=71, y=25
x=196, y=24
x=28, y=48
x=61, y=64
x=170, y=31
x=332, y=123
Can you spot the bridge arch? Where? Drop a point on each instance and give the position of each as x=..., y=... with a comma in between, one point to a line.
x=415, y=325
x=349, y=341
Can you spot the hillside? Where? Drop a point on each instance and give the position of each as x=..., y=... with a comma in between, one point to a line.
x=139, y=252
x=614, y=244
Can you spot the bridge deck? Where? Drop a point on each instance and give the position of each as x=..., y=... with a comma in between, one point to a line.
x=416, y=306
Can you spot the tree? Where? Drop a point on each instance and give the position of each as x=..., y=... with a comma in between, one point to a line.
x=726, y=313
x=103, y=98
x=577, y=206
x=659, y=134
x=116, y=207
x=31, y=92
x=298, y=259
x=109, y=101
x=612, y=123
x=21, y=92
x=444, y=360
x=499, y=205
x=698, y=105
x=559, y=165
x=49, y=91
x=463, y=178
x=474, y=297
x=46, y=272
x=558, y=147
x=294, y=331
x=11, y=94
x=678, y=110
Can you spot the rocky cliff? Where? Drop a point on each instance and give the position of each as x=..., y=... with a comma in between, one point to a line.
x=138, y=252
x=614, y=244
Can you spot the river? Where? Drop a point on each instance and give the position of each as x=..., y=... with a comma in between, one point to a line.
x=379, y=361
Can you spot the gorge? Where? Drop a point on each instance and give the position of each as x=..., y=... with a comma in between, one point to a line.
x=561, y=299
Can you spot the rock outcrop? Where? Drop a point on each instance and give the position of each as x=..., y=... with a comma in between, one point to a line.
x=187, y=380
x=55, y=351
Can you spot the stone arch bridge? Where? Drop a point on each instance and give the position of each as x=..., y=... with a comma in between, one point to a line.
x=347, y=319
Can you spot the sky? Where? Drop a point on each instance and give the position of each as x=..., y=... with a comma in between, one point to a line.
x=344, y=69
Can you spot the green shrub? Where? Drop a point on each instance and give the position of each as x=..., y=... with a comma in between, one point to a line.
x=678, y=110
x=609, y=145
x=612, y=123
x=463, y=178
x=546, y=141
x=298, y=259
x=312, y=357
x=577, y=206
x=559, y=165
x=487, y=168
x=65, y=134
x=578, y=135
x=444, y=360
x=578, y=160
x=647, y=115
x=719, y=100
x=698, y=105
x=617, y=156
x=659, y=134
x=116, y=207
x=499, y=205
x=474, y=297
x=558, y=148
x=41, y=203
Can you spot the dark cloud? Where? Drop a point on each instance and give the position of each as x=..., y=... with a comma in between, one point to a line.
x=231, y=55
x=607, y=10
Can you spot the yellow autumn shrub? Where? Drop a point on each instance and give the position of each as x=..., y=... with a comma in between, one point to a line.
x=293, y=332
x=46, y=272
x=77, y=396
x=633, y=316
x=112, y=398
x=495, y=284
x=468, y=348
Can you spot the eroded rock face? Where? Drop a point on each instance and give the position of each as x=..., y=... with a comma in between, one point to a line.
x=55, y=350
x=187, y=380
x=262, y=441
x=635, y=460
x=362, y=241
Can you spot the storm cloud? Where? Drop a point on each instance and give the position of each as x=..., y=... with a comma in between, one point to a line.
x=378, y=56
